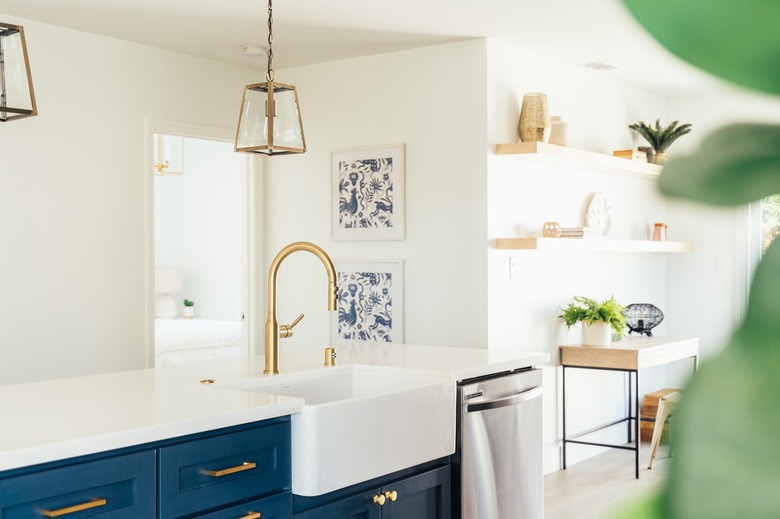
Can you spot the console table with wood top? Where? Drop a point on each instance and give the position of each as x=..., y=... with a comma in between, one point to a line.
x=629, y=355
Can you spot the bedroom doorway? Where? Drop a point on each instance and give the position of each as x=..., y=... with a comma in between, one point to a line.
x=201, y=227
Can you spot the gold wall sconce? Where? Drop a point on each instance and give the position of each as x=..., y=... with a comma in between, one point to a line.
x=168, y=154
x=17, y=98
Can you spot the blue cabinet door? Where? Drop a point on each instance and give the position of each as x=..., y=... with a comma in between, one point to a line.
x=423, y=496
x=122, y=487
x=221, y=470
x=275, y=507
x=360, y=506
x=426, y=496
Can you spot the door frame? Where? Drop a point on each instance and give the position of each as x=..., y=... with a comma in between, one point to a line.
x=251, y=242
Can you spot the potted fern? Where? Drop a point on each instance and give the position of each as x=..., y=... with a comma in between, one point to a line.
x=599, y=319
x=660, y=138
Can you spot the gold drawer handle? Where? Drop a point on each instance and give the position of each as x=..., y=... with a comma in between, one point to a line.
x=379, y=499
x=392, y=495
x=251, y=515
x=75, y=508
x=232, y=470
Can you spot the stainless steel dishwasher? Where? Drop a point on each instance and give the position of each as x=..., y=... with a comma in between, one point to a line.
x=499, y=456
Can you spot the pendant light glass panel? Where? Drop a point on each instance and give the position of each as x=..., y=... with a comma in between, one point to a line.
x=270, y=120
x=17, y=99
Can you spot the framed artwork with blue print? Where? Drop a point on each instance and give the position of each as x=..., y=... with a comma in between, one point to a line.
x=368, y=187
x=371, y=302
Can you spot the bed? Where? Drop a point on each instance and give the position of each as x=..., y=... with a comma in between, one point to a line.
x=184, y=341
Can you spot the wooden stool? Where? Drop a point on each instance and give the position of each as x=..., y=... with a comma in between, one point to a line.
x=666, y=406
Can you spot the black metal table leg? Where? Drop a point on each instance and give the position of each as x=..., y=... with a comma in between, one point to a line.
x=629, y=403
x=564, y=417
x=636, y=421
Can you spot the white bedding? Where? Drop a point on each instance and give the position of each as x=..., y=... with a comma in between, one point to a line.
x=183, y=341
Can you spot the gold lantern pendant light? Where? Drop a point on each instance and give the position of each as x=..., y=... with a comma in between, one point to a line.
x=270, y=117
x=17, y=98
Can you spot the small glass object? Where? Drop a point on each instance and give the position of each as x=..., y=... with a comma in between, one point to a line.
x=659, y=232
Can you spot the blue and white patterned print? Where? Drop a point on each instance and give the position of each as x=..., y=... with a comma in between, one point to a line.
x=366, y=193
x=366, y=306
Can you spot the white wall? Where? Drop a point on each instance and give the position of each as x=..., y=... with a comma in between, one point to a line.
x=432, y=100
x=522, y=195
x=708, y=287
x=199, y=227
x=72, y=197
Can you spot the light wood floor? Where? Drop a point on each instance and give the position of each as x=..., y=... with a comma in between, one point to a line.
x=597, y=487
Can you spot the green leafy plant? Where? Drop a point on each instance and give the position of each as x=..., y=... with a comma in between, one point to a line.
x=660, y=138
x=726, y=448
x=591, y=311
x=187, y=302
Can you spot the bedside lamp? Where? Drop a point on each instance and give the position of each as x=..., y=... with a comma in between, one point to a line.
x=166, y=281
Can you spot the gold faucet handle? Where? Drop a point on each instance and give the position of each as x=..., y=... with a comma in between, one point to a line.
x=286, y=330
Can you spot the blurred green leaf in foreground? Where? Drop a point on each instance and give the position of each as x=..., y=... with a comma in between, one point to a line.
x=727, y=453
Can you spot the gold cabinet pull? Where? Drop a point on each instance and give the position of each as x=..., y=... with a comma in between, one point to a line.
x=94, y=503
x=232, y=470
x=380, y=499
x=392, y=495
x=251, y=515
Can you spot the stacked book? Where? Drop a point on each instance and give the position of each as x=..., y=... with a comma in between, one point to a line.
x=580, y=232
x=637, y=155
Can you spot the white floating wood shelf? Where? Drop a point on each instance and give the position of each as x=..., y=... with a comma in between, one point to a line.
x=591, y=244
x=570, y=157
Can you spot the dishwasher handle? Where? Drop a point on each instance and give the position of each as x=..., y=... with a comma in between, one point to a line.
x=506, y=401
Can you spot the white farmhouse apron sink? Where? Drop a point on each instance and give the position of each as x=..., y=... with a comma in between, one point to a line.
x=361, y=422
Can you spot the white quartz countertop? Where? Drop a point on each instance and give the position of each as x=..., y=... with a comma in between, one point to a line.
x=60, y=419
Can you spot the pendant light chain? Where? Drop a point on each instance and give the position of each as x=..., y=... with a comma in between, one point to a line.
x=270, y=74
x=2, y=76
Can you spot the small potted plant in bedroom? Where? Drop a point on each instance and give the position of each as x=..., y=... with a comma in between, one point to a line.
x=599, y=319
x=189, y=309
x=660, y=138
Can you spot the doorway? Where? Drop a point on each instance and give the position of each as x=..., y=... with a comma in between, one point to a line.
x=770, y=220
x=201, y=219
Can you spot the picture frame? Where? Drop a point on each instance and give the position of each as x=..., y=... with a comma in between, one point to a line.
x=368, y=188
x=371, y=302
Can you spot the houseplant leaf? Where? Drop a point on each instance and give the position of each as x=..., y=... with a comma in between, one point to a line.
x=727, y=455
x=734, y=40
x=726, y=459
x=734, y=165
x=646, y=508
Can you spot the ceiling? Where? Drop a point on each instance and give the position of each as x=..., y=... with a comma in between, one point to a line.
x=313, y=31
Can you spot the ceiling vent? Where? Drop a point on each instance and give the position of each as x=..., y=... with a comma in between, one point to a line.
x=599, y=65
x=252, y=51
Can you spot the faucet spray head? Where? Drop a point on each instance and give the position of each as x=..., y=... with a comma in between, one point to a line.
x=333, y=296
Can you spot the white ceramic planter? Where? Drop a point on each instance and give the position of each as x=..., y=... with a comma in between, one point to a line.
x=189, y=312
x=596, y=334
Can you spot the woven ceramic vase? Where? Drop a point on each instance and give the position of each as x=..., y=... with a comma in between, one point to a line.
x=534, y=119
